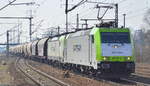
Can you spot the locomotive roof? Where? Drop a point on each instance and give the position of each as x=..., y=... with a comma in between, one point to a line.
x=79, y=33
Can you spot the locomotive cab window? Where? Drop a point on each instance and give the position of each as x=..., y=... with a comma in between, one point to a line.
x=115, y=37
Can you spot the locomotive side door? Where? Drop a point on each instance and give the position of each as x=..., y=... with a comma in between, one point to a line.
x=92, y=52
x=90, y=49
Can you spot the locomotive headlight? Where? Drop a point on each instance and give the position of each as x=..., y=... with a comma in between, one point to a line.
x=128, y=58
x=104, y=58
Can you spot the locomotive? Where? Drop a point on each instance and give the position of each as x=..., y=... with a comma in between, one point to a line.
x=106, y=52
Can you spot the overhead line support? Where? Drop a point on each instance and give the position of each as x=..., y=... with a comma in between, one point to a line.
x=116, y=16
x=68, y=10
x=30, y=23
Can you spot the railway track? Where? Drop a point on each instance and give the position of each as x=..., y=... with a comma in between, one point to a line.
x=139, y=81
x=38, y=77
x=129, y=81
x=134, y=80
x=145, y=71
x=141, y=76
x=43, y=78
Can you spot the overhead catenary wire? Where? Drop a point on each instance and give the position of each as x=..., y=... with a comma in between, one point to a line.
x=7, y=5
x=74, y=7
x=83, y=13
x=87, y=10
x=11, y=30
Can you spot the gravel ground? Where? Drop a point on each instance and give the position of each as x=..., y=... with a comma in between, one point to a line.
x=9, y=76
x=5, y=77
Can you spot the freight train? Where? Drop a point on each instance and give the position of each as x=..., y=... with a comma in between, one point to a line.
x=107, y=52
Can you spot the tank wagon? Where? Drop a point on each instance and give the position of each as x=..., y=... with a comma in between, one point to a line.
x=97, y=51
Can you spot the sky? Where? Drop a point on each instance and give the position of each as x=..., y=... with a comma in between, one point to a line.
x=51, y=13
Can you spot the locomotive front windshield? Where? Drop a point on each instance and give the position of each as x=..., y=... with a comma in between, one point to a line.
x=115, y=37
